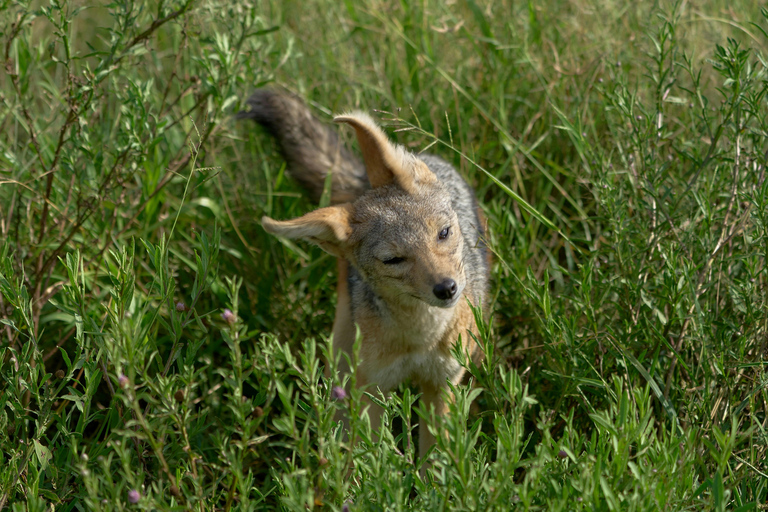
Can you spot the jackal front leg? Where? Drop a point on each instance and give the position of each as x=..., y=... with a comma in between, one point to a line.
x=434, y=397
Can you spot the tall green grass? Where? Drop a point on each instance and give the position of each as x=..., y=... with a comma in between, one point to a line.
x=160, y=351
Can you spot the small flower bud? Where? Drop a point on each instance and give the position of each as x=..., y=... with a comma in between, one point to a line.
x=134, y=496
x=60, y=374
x=179, y=395
x=228, y=316
x=123, y=381
x=258, y=412
x=175, y=491
x=338, y=393
x=180, y=306
x=562, y=454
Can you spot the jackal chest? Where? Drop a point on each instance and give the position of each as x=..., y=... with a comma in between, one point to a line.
x=410, y=346
x=433, y=368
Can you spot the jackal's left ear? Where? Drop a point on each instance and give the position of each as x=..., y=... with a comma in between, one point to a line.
x=386, y=163
x=329, y=228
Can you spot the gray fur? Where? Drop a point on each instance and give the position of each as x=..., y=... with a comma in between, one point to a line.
x=311, y=147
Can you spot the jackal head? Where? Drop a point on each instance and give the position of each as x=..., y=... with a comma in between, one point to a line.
x=403, y=235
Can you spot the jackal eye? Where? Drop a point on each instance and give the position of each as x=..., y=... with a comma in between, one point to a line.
x=393, y=261
x=444, y=233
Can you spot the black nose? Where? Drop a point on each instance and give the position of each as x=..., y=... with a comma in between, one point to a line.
x=445, y=290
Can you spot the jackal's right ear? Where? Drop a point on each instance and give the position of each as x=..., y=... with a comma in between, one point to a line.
x=329, y=228
x=385, y=162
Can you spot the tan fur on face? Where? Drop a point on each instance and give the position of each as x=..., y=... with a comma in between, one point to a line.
x=391, y=223
x=437, y=261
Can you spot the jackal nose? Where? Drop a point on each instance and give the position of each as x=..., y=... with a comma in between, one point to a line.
x=445, y=290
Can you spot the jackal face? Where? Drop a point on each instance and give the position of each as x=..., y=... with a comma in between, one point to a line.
x=409, y=246
x=403, y=236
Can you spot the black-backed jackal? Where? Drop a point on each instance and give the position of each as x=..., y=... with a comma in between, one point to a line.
x=407, y=232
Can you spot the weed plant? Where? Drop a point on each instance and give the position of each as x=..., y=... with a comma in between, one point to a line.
x=159, y=351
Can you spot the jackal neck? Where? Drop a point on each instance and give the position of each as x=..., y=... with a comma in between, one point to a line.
x=406, y=324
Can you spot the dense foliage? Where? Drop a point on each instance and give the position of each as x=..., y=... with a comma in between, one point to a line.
x=160, y=351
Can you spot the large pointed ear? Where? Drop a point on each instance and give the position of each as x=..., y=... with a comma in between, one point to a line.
x=329, y=228
x=385, y=162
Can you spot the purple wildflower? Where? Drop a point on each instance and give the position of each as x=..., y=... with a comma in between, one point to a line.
x=338, y=393
x=134, y=496
x=562, y=454
x=123, y=381
x=228, y=316
x=180, y=306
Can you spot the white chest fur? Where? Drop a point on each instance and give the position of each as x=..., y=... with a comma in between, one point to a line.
x=407, y=346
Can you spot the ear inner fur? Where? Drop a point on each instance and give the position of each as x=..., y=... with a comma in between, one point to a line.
x=329, y=228
x=385, y=162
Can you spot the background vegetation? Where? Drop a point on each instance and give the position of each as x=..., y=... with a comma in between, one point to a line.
x=159, y=351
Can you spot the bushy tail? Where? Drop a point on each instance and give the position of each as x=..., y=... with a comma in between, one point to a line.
x=311, y=148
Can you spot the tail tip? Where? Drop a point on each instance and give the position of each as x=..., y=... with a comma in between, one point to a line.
x=269, y=224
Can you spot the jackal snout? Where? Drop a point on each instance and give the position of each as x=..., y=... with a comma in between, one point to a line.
x=445, y=290
x=437, y=275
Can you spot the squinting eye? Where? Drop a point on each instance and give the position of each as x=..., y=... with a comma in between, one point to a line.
x=393, y=261
x=444, y=234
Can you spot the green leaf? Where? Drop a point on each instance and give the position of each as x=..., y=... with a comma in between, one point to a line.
x=43, y=454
